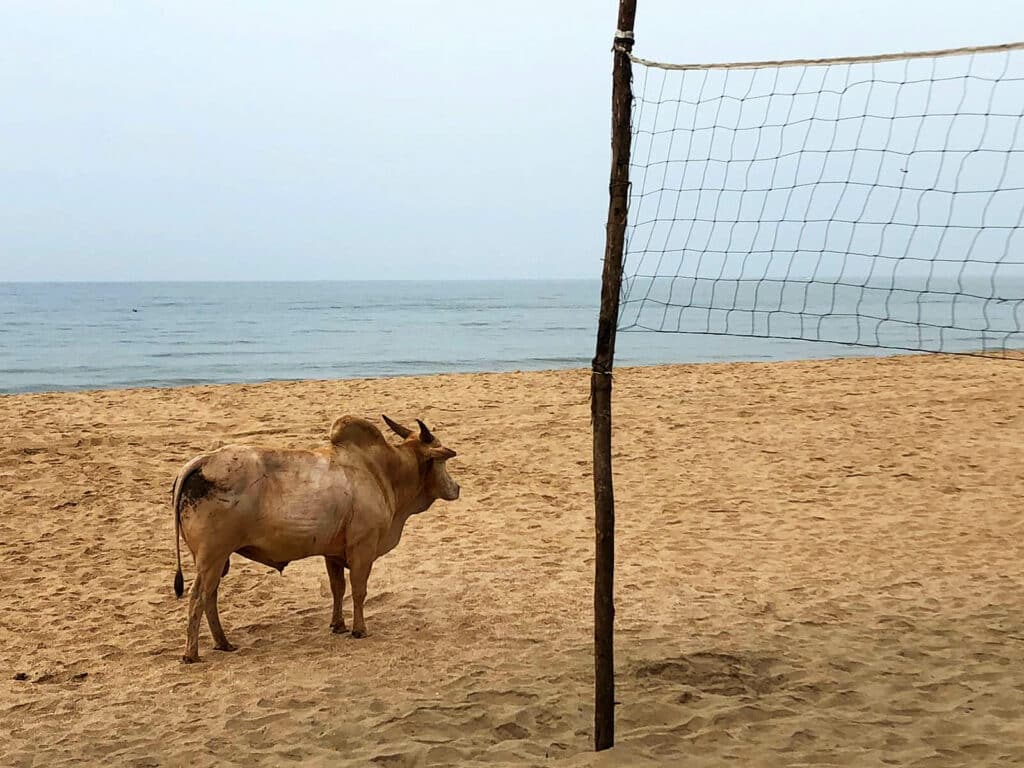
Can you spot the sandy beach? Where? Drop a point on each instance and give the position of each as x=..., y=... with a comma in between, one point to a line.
x=819, y=563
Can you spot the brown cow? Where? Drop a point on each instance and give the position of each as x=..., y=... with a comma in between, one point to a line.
x=347, y=503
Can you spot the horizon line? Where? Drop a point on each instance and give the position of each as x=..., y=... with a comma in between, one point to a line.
x=309, y=280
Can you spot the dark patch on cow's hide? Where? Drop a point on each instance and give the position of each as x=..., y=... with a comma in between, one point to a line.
x=273, y=463
x=195, y=488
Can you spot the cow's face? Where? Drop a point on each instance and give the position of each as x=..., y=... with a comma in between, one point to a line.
x=433, y=459
x=440, y=484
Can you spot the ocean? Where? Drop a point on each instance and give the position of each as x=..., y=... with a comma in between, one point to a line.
x=72, y=336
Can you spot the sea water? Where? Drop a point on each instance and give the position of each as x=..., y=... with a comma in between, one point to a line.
x=67, y=336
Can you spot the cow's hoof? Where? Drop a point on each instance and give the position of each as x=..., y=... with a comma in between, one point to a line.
x=339, y=629
x=358, y=633
x=226, y=647
x=190, y=659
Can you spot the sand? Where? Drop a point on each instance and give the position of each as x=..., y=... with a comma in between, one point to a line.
x=819, y=563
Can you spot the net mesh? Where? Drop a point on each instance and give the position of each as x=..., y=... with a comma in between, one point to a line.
x=872, y=203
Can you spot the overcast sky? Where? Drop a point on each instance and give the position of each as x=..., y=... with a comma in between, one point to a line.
x=339, y=140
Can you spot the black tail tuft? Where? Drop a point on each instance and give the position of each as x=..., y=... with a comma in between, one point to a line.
x=179, y=584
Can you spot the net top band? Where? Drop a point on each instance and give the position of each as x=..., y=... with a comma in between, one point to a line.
x=1003, y=47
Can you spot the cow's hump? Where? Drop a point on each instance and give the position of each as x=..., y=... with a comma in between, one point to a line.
x=353, y=430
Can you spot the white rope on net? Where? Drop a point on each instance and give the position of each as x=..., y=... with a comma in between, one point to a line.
x=837, y=60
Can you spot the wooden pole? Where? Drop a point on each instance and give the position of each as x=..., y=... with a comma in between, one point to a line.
x=601, y=384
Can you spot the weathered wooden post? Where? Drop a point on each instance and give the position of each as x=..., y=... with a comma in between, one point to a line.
x=601, y=383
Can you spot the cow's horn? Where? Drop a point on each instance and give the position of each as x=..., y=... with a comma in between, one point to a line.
x=397, y=428
x=425, y=436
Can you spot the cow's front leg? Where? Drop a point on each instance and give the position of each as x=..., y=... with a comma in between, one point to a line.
x=336, y=573
x=359, y=572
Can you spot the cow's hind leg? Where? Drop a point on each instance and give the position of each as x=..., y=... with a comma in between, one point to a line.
x=336, y=573
x=211, y=583
x=195, y=612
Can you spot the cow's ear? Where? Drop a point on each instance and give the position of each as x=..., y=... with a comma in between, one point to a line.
x=441, y=454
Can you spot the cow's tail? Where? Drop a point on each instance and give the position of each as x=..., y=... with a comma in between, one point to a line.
x=179, y=482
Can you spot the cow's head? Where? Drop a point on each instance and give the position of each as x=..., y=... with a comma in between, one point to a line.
x=432, y=457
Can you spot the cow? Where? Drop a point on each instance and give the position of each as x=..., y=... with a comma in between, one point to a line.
x=347, y=502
